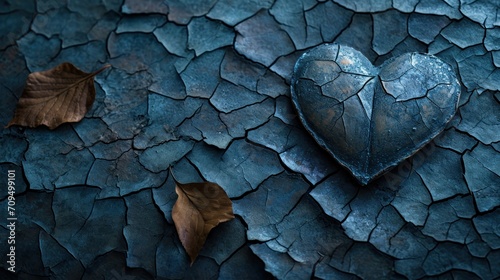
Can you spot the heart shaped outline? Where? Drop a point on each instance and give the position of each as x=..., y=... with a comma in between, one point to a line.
x=328, y=79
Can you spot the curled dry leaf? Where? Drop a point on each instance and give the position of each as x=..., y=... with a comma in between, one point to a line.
x=56, y=96
x=199, y=208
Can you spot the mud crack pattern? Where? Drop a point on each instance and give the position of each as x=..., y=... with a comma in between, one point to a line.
x=204, y=85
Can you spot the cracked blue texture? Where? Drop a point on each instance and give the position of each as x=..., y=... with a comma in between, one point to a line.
x=182, y=11
x=239, y=169
x=30, y=43
x=143, y=7
x=240, y=71
x=449, y=8
x=442, y=174
x=243, y=262
x=146, y=24
x=72, y=161
x=229, y=97
x=334, y=195
x=426, y=27
x=413, y=200
x=250, y=39
x=484, y=12
x=450, y=220
x=57, y=258
x=464, y=33
x=290, y=15
x=482, y=174
x=486, y=128
x=238, y=122
x=365, y=208
x=203, y=87
x=174, y=38
x=86, y=225
x=455, y=140
x=368, y=7
x=71, y=27
x=197, y=83
x=269, y=204
x=389, y=28
x=213, y=131
x=144, y=222
x=160, y=157
x=488, y=228
x=224, y=240
x=233, y=13
x=165, y=115
x=206, y=35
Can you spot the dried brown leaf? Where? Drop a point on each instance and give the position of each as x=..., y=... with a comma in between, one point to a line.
x=56, y=96
x=199, y=208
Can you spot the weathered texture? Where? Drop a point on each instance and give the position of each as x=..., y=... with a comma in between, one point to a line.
x=203, y=87
x=370, y=119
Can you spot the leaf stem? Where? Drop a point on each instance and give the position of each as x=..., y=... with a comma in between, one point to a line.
x=106, y=66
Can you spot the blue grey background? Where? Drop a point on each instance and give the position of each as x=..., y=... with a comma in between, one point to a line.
x=203, y=86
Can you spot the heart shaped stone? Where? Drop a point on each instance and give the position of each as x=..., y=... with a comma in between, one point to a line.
x=372, y=118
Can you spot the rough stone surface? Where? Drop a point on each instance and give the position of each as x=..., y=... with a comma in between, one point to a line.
x=426, y=27
x=482, y=174
x=203, y=88
x=370, y=119
x=207, y=35
x=389, y=28
x=464, y=33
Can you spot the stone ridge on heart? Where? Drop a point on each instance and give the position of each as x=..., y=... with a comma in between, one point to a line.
x=372, y=118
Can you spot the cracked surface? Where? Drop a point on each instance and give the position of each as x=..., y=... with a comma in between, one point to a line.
x=203, y=86
x=368, y=118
